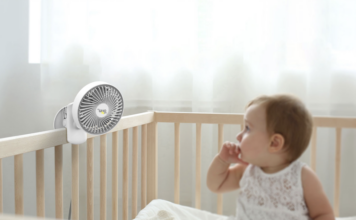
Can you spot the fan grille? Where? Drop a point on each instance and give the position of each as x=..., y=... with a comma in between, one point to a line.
x=100, y=109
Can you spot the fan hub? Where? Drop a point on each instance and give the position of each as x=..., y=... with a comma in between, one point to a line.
x=102, y=110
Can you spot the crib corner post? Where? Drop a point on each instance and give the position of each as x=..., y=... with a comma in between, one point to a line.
x=152, y=161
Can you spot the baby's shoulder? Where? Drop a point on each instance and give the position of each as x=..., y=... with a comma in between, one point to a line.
x=309, y=178
x=314, y=194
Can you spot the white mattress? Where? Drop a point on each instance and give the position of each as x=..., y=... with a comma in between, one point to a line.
x=164, y=210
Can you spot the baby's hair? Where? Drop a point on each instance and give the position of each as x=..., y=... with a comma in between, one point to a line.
x=288, y=116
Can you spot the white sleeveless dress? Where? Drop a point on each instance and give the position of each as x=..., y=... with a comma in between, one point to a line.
x=277, y=196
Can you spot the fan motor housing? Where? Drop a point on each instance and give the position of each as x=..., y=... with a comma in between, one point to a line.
x=97, y=108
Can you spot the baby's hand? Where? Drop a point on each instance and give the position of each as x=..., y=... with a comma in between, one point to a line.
x=230, y=153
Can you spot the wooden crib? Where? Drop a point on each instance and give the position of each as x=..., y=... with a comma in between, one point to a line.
x=18, y=145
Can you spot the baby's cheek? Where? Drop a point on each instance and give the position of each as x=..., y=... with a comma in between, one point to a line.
x=245, y=150
x=257, y=152
x=250, y=150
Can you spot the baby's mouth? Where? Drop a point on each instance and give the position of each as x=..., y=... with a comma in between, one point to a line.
x=239, y=150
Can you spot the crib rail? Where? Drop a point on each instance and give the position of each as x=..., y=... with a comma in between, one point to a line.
x=338, y=123
x=198, y=118
x=37, y=141
x=16, y=217
x=17, y=146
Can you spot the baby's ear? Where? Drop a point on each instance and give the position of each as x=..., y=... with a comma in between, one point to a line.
x=276, y=143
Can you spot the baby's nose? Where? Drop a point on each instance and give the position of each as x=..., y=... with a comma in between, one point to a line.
x=238, y=137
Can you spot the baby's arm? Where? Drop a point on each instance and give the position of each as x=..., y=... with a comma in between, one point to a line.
x=221, y=177
x=315, y=198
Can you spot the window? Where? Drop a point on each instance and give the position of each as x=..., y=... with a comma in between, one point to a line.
x=34, y=48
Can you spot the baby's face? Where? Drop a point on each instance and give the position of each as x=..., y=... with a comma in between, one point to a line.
x=254, y=139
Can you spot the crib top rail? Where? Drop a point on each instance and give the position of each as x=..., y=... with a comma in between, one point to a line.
x=334, y=122
x=36, y=141
x=225, y=118
x=194, y=117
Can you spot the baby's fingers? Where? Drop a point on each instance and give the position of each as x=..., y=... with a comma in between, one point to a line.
x=227, y=147
x=233, y=148
x=230, y=147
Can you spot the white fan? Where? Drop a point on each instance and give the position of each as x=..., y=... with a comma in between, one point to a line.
x=96, y=109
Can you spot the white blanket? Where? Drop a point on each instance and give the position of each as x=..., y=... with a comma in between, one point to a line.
x=164, y=210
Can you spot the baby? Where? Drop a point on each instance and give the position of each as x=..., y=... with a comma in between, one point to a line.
x=272, y=182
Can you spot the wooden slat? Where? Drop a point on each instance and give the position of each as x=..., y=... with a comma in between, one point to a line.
x=143, y=165
x=58, y=167
x=176, y=162
x=115, y=175
x=90, y=179
x=1, y=203
x=209, y=118
x=37, y=141
x=19, y=184
x=75, y=182
x=152, y=167
x=337, y=172
x=103, y=176
x=220, y=143
x=198, y=167
x=134, y=172
x=313, y=149
x=40, y=190
x=125, y=183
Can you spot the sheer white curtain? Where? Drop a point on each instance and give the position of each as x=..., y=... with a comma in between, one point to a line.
x=207, y=56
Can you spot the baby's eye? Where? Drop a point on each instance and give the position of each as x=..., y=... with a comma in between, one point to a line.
x=247, y=128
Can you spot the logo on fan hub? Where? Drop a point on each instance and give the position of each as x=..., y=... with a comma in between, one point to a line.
x=102, y=110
